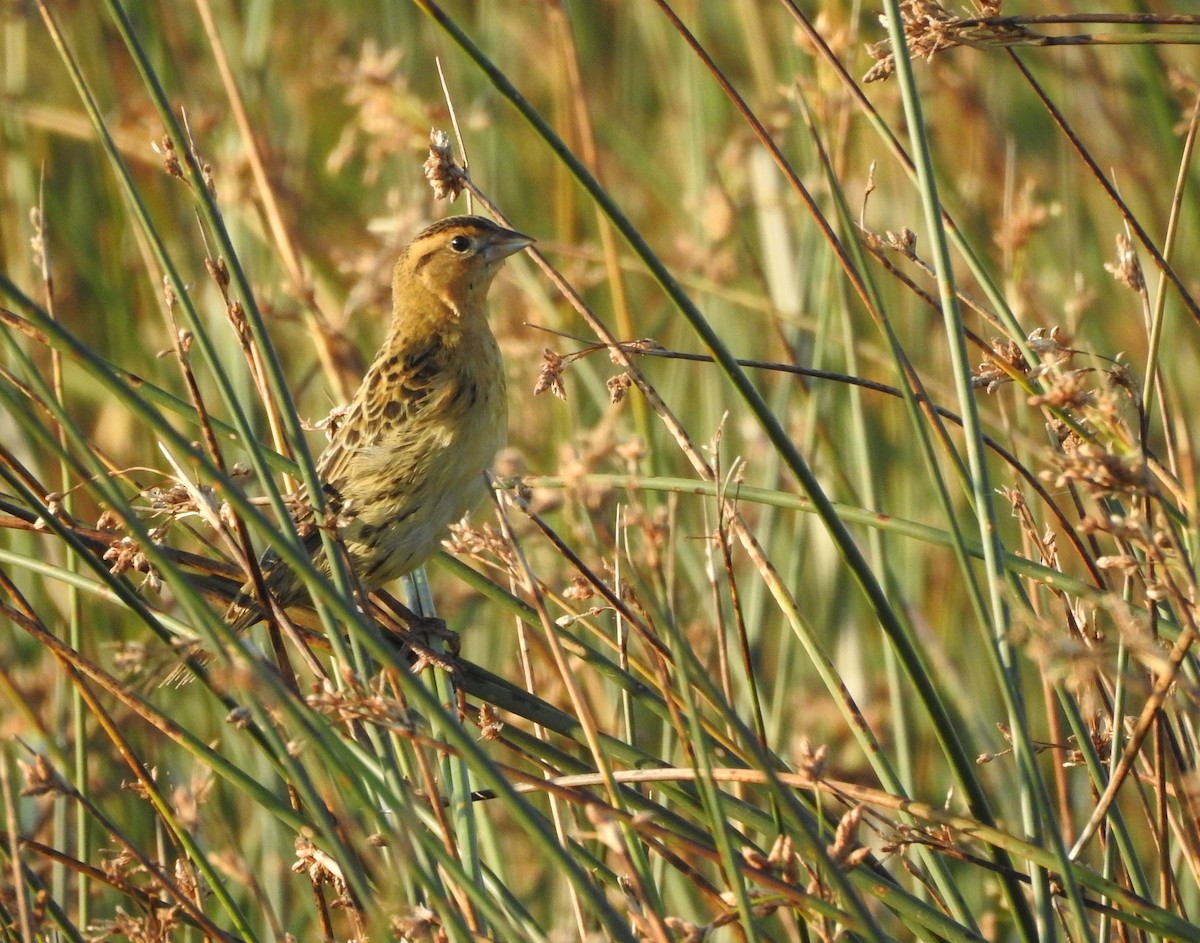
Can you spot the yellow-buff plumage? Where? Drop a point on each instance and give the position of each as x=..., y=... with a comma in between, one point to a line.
x=408, y=456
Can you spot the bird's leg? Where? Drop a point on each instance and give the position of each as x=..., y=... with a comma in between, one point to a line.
x=426, y=657
x=416, y=624
x=412, y=631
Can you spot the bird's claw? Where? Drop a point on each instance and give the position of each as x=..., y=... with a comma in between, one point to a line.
x=426, y=657
x=433, y=627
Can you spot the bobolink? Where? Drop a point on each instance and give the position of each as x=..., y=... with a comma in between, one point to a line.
x=409, y=455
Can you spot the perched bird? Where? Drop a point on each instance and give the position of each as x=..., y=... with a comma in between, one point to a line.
x=408, y=457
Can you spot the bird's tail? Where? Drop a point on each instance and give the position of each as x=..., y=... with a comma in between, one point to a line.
x=242, y=613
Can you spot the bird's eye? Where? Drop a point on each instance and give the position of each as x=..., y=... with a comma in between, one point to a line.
x=460, y=243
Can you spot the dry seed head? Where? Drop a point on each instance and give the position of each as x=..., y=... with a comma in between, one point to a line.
x=811, y=761
x=239, y=717
x=41, y=779
x=550, y=375
x=904, y=242
x=122, y=553
x=991, y=373
x=1126, y=269
x=420, y=924
x=319, y=866
x=444, y=175
x=1103, y=471
x=929, y=27
x=1120, y=561
x=119, y=865
x=484, y=544
x=237, y=317
x=1042, y=341
x=129, y=658
x=490, y=724
x=1156, y=591
x=37, y=242
x=685, y=931
x=618, y=386
x=375, y=85
x=1119, y=376
x=1014, y=497
x=643, y=345
x=755, y=858
x=219, y=272
x=1028, y=215
x=166, y=149
x=925, y=32
x=782, y=850
x=1128, y=527
x=1067, y=390
x=580, y=590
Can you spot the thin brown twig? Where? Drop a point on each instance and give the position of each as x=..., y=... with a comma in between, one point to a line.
x=1131, y=220
x=581, y=707
x=1068, y=528
x=24, y=616
x=1145, y=721
x=329, y=343
x=1114, y=19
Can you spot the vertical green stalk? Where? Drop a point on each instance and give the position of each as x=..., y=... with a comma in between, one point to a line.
x=1036, y=807
x=214, y=220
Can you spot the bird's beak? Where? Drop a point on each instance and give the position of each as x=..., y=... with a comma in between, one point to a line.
x=505, y=243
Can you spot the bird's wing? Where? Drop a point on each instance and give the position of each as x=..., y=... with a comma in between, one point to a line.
x=388, y=419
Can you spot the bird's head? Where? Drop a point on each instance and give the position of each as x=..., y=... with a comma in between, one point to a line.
x=454, y=260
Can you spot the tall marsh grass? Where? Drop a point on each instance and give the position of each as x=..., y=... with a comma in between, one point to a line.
x=838, y=582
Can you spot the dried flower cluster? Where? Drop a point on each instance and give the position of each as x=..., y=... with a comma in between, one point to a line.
x=356, y=702
x=929, y=28
x=389, y=118
x=1127, y=269
x=484, y=544
x=550, y=376
x=1007, y=361
x=445, y=176
x=125, y=554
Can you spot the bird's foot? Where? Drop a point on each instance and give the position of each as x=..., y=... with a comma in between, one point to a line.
x=418, y=637
x=420, y=627
x=431, y=627
x=425, y=656
x=423, y=636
